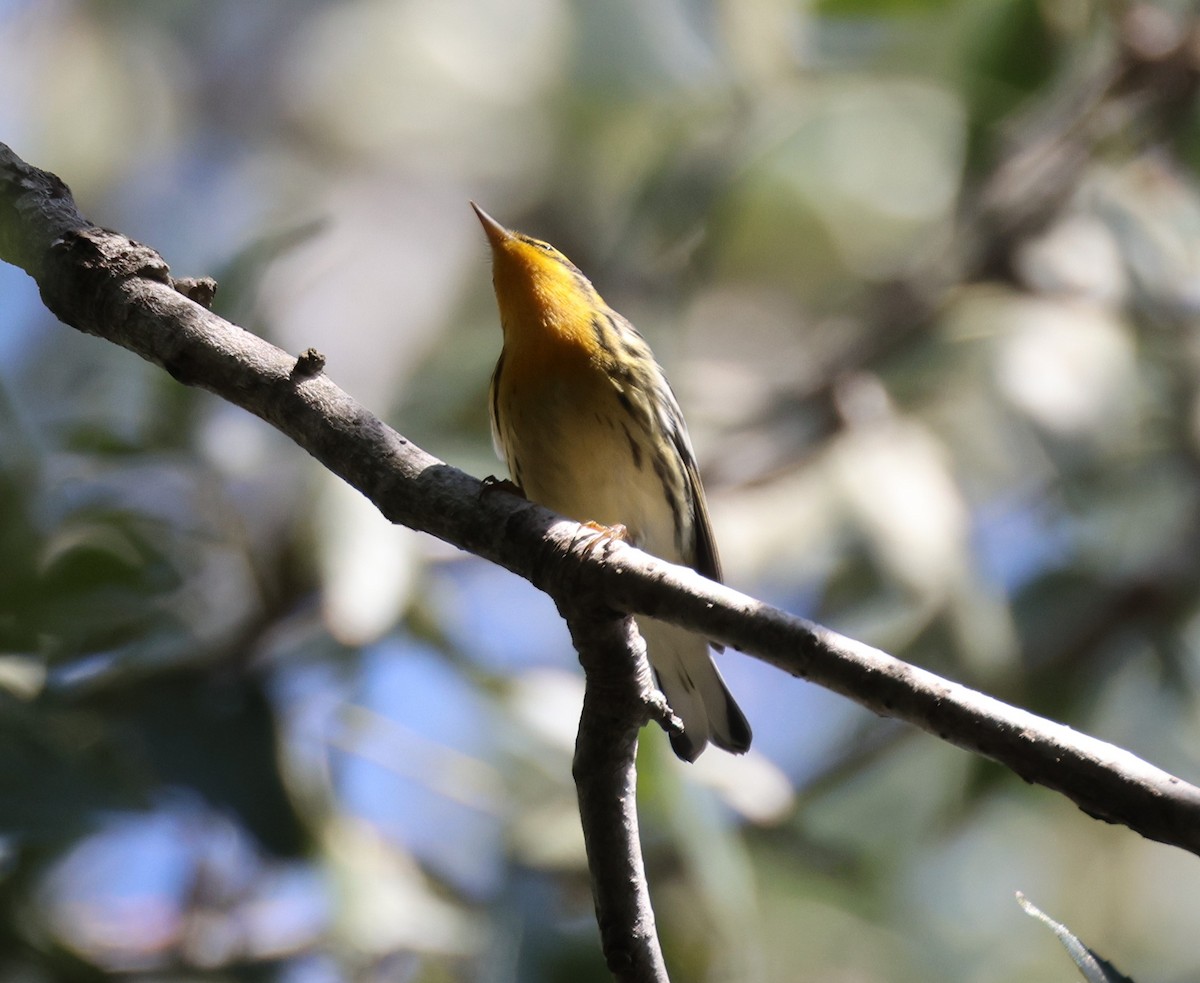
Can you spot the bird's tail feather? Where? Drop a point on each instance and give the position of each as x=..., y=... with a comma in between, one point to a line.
x=695, y=690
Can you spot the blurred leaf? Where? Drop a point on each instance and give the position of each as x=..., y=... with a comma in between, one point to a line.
x=95, y=551
x=58, y=769
x=213, y=732
x=1008, y=53
x=882, y=8
x=1094, y=969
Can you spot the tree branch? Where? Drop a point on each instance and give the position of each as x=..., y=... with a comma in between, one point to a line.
x=617, y=703
x=106, y=285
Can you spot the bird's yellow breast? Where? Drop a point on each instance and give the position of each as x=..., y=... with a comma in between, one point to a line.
x=572, y=445
x=556, y=420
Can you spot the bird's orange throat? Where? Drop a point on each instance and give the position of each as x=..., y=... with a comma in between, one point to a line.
x=542, y=344
x=546, y=317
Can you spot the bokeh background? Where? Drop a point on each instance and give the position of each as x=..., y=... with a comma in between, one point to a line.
x=926, y=278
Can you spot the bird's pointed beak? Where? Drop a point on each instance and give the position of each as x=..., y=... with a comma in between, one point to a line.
x=496, y=232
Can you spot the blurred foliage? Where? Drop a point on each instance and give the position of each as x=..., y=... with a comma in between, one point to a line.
x=925, y=276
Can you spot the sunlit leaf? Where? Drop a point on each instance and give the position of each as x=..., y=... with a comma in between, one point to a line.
x=1093, y=967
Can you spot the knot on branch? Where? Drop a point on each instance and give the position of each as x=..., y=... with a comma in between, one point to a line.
x=310, y=363
x=199, y=290
x=93, y=249
x=86, y=269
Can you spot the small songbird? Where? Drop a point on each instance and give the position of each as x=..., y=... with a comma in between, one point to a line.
x=588, y=425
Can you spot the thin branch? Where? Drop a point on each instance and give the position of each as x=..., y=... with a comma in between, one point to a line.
x=106, y=285
x=617, y=703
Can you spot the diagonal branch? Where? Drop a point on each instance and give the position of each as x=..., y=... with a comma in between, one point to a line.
x=1105, y=781
x=102, y=283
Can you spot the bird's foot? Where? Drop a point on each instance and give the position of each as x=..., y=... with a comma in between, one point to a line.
x=614, y=533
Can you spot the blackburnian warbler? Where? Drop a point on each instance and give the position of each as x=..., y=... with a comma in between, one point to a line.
x=588, y=425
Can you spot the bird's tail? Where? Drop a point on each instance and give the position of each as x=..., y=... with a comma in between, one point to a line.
x=695, y=690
